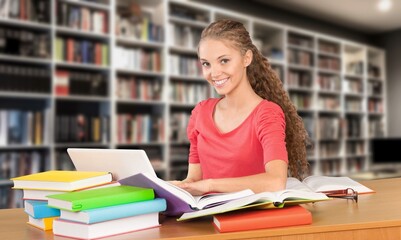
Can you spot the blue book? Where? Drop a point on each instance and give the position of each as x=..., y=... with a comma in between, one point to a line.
x=40, y=209
x=115, y=212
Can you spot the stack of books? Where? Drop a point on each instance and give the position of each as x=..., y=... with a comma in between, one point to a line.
x=102, y=212
x=36, y=187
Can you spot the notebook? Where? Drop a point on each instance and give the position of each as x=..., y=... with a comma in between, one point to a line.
x=121, y=163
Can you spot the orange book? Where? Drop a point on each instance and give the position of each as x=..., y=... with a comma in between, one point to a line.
x=253, y=219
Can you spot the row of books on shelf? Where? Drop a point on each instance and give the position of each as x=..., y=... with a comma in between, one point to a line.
x=329, y=48
x=184, y=36
x=375, y=106
x=139, y=128
x=82, y=128
x=300, y=57
x=354, y=105
x=329, y=82
x=129, y=58
x=300, y=41
x=355, y=148
x=82, y=18
x=10, y=198
x=24, y=127
x=27, y=43
x=328, y=103
x=354, y=126
x=29, y=10
x=178, y=127
x=133, y=23
x=24, y=78
x=183, y=12
x=329, y=149
x=375, y=88
x=189, y=93
x=301, y=101
x=329, y=63
x=299, y=78
x=351, y=85
x=354, y=68
x=18, y=163
x=72, y=50
x=185, y=65
x=131, y=87
x=80, y=83
x=376, y=128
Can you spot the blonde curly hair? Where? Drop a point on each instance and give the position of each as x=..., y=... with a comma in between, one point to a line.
x=267, y=85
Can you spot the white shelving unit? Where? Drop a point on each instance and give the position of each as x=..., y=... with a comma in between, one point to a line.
x=151, y=77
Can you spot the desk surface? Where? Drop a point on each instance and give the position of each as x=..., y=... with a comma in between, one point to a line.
x=374, y=216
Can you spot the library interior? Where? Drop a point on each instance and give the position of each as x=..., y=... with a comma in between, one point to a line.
x=125, y=74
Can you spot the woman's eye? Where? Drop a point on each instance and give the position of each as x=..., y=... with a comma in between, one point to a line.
x=205, y=64
x=224, y=61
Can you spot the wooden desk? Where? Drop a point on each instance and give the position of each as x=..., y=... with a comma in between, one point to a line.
x=375, y=216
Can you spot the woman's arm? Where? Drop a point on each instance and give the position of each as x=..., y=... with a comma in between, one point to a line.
x=274, y=179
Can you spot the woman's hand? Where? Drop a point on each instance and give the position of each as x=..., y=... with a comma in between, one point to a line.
x=196, y=188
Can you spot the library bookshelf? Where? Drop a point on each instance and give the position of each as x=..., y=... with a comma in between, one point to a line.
x=124, y=74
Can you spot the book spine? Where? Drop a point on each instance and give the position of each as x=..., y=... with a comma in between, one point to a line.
x=118, y=211
x=111, y=200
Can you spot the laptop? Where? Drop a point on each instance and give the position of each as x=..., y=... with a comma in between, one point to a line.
x=121, y=163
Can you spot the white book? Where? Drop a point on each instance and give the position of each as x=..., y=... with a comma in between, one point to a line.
x=326, y=183
x=3, y=128
x=107, y=228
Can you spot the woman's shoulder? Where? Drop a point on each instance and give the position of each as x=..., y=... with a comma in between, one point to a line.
x=267, y=106
x=207, y=104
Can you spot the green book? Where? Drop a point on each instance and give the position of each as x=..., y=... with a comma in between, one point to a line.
x=100, y=197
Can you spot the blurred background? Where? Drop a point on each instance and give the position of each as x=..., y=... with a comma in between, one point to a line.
x=124, y=74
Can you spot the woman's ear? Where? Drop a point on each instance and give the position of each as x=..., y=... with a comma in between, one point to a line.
x=248, y=58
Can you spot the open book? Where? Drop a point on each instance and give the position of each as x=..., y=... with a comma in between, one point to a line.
x=178, y=199
x=326, y=183
x=293, y=195
x=297, y=192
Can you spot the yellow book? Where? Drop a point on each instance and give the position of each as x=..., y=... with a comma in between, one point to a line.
x=42, y=223
x=61, y=180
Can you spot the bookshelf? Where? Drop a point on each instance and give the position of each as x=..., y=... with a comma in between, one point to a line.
x=131, y=80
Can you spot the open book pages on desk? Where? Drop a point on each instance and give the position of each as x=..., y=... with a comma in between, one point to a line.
x=261, y=200
x=326, y=183
x=179, y=200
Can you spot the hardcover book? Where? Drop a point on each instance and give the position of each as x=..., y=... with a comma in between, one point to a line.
x=61, y=180
x=115, y=212
x=253, y=219
x=40, y=209
x=104, y=229
x=101, y=197
x=42, y=223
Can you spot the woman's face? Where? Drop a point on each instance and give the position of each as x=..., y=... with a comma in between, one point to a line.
x=223, y=66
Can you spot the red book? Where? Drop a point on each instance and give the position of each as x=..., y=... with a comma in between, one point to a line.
x=259, y=219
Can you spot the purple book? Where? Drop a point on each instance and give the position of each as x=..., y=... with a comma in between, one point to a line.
x=178, y=200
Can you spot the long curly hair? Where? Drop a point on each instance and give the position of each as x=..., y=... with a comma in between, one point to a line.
x=267, y=85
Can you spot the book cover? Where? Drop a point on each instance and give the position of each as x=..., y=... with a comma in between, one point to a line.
x=104, y=229
x=101, y=197
x=61, y=180
x=115, y=212
x=42, y=223
x=40, y=209
x=178, y=200
x=260, y=219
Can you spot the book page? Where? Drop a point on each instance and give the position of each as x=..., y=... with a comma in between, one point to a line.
x=214, y=199
x=295, y=184
x=325, y=183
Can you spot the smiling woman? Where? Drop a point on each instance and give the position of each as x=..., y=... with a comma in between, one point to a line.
x=252, y=135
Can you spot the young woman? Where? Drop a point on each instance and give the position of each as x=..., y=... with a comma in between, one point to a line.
x=251, y=136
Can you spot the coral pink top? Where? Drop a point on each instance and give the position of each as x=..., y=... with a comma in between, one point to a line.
x=243, y=151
